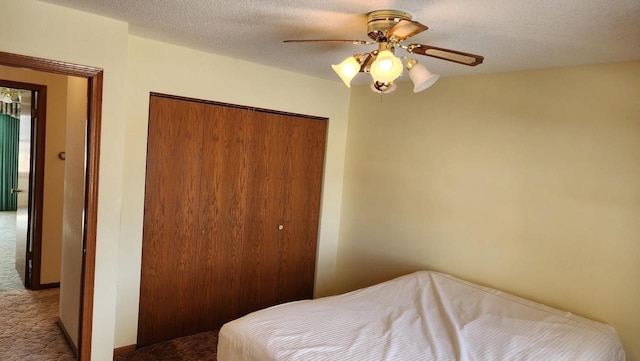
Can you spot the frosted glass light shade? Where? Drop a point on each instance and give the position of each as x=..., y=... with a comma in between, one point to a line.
x=347, y=70
x=421, y=77
x=386, y=68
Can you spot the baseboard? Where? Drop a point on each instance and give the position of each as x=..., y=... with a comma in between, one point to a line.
x=124, y=350
x=45, y=286
x=67, y=337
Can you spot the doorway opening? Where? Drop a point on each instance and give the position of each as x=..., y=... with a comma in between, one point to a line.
x=23, y=113
x=11, y=182
x=93, y=78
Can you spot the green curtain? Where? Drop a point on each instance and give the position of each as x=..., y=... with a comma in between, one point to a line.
x=9, y=132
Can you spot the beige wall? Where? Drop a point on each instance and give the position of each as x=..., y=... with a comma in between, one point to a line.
x=73, y=210
x=68, y=35
x=159, y=67
x=528, y=182
x=523, y=181
x=54, y=32
x=53, y=167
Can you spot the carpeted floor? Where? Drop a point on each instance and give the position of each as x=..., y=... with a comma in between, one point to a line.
x=28, y=327
x=9, y=279
x=28, y=319
x=200, y=347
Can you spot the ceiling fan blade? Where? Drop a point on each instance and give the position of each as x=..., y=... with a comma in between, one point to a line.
x=446, y=54
x=356, y=42
x=405, y=29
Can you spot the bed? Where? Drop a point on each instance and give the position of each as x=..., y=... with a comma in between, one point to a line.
x=419, y=316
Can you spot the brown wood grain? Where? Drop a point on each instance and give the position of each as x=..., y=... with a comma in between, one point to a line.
x=220, y=180
x=171, y=218
x=227, y=134
x=36, y=192
x=94, y=126
x=265, y=202
x=287, y=164
x=302, y=207
x=124, y=350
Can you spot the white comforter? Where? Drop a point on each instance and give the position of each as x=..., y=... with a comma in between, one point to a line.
x=420, y=316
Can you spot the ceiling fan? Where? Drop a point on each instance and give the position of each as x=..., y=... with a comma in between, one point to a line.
x=389, y=29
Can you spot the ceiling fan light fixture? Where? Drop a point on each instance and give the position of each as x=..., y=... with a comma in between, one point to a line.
x=8, y=95
x=421, y=77
x=383, y=88
x=347, y=70
x=386, y=68
x=388, y=29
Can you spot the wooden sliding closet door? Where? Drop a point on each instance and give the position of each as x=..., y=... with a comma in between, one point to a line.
x=231, y=214
x=302, y=207
x=287, y=160
x=194, y=214
x=171, y=220
x=263, y=246
x=224, y=183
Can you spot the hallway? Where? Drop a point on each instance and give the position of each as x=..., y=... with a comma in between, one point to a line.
x=28, y=319
x=9, y=279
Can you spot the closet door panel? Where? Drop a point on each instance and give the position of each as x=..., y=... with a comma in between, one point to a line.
x=231, y=214
x=224, y=173
x=302, y=206
x=172, y=206
x=261, y=256
x=287, y=160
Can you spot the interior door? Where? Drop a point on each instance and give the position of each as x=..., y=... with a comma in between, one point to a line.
x=24, y=246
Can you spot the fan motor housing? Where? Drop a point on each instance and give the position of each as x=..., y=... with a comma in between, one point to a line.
x=379, y=22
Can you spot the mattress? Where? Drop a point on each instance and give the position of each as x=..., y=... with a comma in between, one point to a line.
x=420, y=316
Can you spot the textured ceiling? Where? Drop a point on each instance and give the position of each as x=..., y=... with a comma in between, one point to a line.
x=510, y=34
